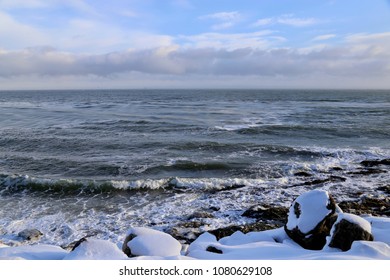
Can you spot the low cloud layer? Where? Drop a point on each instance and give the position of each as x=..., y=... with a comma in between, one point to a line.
x=361, y=55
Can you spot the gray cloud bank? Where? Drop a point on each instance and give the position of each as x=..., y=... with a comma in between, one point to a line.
x=361, y=56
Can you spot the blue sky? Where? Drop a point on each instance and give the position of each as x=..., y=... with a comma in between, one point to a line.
x=194, y=43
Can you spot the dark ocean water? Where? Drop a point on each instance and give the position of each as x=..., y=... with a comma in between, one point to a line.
x=75, y=162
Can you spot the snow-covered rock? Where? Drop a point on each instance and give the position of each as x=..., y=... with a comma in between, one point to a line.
x=142, y=241
x=347, y=229
x=310, y=219
x=94, y=249
x=30, y=234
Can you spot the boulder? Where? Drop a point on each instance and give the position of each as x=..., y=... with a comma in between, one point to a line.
x=267, y=213
x=310, y=219
x=142, y=241
x=94, y=249
x=347, y=229
x=30, y=234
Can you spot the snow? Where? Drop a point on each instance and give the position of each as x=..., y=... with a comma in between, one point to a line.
x=149, y=242
x=273, y=244
x=93, y=249
x=313, y=210
x=364, y=224
x=33, y=252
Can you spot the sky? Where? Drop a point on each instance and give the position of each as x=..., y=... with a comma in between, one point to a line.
x=99, y=44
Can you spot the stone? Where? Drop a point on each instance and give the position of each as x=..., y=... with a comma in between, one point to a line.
x=201, y=215
x=227, y=231
x=367, y=205
x=212, y=249
x=376, y=162
x=30, y=234
x=347, y=229
x=267, y=213
x=310, y=219
x=142, y=241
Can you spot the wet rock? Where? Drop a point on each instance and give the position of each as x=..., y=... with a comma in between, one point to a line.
x=310, y=219
x=376, y=162
x=267, y=213
x=368, y=171
x=201, y=215
x=385, y=189
x=30, y=234
x=367, y=205
x=349, y=228
x=303, y=174
x=227, y=231
x=336, y=168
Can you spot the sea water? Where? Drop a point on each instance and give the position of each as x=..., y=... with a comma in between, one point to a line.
x=96, y=162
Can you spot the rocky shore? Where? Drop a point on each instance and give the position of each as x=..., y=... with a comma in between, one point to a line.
x=314, y=222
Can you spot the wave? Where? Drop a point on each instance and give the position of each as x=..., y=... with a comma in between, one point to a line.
x=13, y=184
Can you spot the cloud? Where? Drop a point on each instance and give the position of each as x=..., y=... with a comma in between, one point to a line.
x=358, y=58
x=288, y=19
x=225, y=19
x=324, y=37
x=14, y=34
x=256, y=40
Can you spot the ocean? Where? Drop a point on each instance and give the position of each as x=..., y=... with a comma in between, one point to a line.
x=96, y=162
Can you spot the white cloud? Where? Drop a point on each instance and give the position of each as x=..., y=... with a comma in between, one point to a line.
x=14, y=34
x=225, y=19
x=288, y=19
x=324, y=37
x=255, y=40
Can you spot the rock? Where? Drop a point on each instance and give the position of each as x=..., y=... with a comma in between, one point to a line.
x=367, y=205
x=201, y=215
x=303, y=174
x=30, y=234
x=385, y=189
x=94, y=249
x=310, y=219
x=227, y=231
x=347, y=229
x=212, y=249
x=267, y=213
x=141, y=241
x=371, y=163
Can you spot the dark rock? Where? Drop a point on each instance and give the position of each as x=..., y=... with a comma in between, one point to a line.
x=367, y=205
x=371, y=163
x=267, y=213
x=345, y=232
x=314, y=182
x=30, y=234
x=227, y=231
x=385, y=189
x=126, y=248
x=311, y=236
x=368, y=171
x=212, y=249
x=303, y=174
x=337, y=168
x=214, y=208
x=201, y=215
